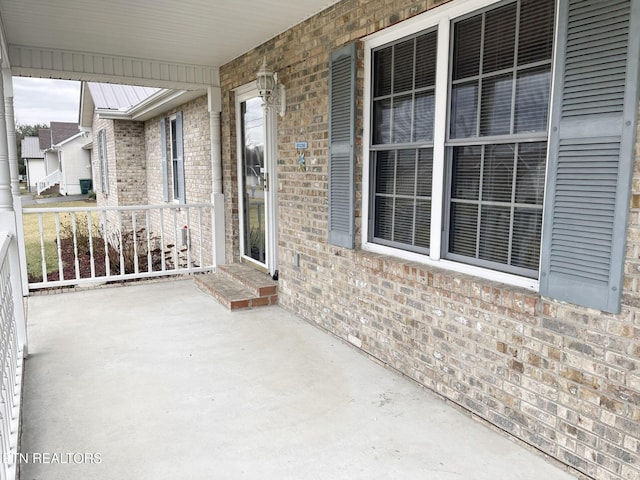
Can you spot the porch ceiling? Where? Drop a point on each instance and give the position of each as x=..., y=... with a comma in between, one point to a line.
x=194, y=32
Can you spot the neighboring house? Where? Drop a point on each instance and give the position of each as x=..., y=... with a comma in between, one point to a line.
x=67, y=160
x=51, y=163
x=33, y=159
x=74, y=154
x=453, y=189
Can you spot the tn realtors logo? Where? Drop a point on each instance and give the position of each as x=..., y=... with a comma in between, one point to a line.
x=52, y=458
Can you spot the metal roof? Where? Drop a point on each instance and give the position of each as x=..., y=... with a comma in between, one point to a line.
x=118, y=97
x=31, y=148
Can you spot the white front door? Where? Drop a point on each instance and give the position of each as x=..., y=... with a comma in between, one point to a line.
x=257, y=192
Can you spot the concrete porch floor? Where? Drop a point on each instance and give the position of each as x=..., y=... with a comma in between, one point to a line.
x=164, y=383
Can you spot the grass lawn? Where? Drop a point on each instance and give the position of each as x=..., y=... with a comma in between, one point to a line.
x=32, y=235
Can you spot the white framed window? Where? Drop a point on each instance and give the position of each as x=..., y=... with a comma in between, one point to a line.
x=175, y=184
x=457, y=108
x=530, y=97
x=173, y=159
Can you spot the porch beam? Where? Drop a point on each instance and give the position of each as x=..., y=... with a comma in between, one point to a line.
x=95, y=67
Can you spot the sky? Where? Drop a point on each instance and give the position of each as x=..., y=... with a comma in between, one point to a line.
x=42, y=100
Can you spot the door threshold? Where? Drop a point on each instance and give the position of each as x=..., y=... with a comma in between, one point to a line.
x=253, y=264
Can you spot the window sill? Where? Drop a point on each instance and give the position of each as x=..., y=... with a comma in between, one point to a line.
x=491, y=275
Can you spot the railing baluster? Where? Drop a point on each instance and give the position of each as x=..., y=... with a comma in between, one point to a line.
x=90, y=236
x=164, y=266
x=188, y=237
x=121, y=242
x=176, y=258
x=135, y=242
x=59, y=243
x=74, y=227
x=43, y=252
x=200, y=236
x=149, y=259
x=105, y=235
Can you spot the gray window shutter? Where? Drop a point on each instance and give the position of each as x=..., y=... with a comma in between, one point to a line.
x=180, y=147
x=591, y=152
x=163, y=149
x=342, y=94
x=106, y=161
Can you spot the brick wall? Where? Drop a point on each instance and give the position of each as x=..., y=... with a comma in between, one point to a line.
x=230, y=159
x=130, y=160
x=126, y=157
x=561, y=378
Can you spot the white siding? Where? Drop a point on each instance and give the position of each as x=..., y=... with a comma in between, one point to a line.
x=76, y=165
x=35, y=171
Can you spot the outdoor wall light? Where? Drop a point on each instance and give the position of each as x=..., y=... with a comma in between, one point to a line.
x=271, y=92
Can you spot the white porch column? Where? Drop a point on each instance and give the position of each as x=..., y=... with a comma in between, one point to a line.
x=11, y=131
x=8, y=224
x=214, y=96
x=215, y=109
x=6, y=199
x=15, y=173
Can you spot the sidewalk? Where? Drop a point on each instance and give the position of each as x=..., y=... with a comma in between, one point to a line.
x=28, y=199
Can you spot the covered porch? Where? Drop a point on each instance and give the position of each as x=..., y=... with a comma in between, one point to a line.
x=147, y=44
x=159, y=381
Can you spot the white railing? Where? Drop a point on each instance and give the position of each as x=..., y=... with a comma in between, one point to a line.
x=101, y=244
x=11, y=359
x=48, y=181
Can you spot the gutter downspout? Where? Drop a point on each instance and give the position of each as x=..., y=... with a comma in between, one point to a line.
x=214, y=101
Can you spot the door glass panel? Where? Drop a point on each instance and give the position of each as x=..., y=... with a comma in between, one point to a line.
x=253, y=168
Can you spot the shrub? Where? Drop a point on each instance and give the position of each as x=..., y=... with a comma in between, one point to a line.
x=130, y=244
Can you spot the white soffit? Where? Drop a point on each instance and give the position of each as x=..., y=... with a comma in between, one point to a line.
x=196, y=32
